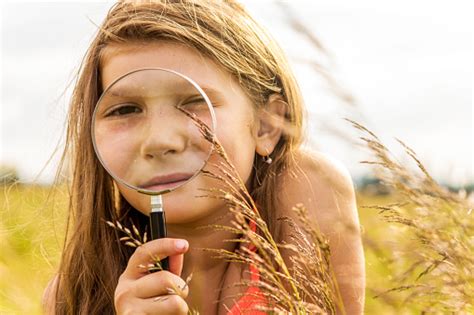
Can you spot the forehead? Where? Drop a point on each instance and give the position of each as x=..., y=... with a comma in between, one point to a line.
x=119, y=59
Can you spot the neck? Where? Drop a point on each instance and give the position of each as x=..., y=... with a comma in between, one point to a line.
x=208, y=274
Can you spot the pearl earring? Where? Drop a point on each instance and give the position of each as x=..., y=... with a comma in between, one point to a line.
x=267, y=159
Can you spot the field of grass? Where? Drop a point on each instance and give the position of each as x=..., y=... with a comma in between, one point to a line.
x=31, y=229
x=381, y=249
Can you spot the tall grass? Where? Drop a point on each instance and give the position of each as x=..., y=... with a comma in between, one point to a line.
x=433, y=243
x=434, y=268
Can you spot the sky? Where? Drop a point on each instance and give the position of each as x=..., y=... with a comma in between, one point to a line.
x=407, y=65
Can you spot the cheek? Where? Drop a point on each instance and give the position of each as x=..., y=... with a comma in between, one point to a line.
x=237, y=138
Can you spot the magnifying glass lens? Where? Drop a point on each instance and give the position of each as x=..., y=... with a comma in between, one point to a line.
x=148, y=130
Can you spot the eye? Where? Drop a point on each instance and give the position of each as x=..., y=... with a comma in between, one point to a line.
x=194, y=102
x=122, y=110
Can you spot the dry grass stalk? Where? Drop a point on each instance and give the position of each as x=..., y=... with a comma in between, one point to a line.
x=312, y=267
x=310, y=286
x=439, y=257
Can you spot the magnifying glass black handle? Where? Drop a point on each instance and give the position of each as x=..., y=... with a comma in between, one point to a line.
x=158, y=230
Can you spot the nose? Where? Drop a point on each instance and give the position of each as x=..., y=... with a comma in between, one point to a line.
x=164, y=133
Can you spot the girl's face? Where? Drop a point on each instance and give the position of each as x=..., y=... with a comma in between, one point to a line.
x=235, y=130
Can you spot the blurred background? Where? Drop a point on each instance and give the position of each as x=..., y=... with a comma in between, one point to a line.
x=402, y=68
x=406, y=67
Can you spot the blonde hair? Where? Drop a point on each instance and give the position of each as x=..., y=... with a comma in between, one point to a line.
x=222, y=30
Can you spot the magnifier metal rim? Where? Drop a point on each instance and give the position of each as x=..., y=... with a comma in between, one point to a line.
x=213, y=127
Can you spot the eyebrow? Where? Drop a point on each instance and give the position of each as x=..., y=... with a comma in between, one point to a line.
x=125, y=88
x=212, y=93
x=181, y=88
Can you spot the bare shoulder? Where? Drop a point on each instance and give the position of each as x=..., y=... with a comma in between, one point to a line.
x=324, y=186
x=49, y=295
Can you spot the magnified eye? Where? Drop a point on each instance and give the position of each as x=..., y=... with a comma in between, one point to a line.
x=122, y=110
x=194, y=103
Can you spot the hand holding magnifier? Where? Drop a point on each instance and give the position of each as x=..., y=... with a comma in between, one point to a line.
x=147, y=134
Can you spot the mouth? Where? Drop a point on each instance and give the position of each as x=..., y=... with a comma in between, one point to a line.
x=164, y=182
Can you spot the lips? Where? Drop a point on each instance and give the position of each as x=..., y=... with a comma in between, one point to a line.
x=163, y=182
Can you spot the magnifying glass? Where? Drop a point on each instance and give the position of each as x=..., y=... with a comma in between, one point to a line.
x=147, y=131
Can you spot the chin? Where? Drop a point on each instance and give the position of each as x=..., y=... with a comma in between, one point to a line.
x=181, y=217
x=200, y=210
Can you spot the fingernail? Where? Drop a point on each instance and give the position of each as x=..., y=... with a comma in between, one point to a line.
x=181, y=244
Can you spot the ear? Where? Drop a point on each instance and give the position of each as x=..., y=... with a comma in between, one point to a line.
x=270, y=124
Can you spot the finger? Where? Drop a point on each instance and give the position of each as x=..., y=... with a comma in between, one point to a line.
x=165, y=305
x=152, y=251
x=159, y=283
x=161, y=305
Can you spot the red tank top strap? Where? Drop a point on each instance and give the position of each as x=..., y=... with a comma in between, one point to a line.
x=253, y=297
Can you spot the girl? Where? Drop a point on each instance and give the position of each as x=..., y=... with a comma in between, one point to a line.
x=217, y=44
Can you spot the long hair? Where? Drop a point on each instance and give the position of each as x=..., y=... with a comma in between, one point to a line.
x=222, y=30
